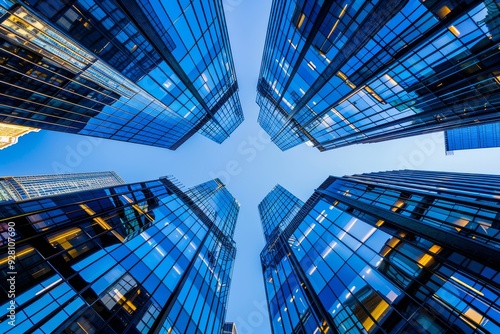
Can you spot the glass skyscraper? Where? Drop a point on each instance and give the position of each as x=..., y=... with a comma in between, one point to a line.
x=480, y=136
x=18, y=188
x=139, y=71
x=389, y=252
x=146, y=257
x=9, y=134
x=337, y=73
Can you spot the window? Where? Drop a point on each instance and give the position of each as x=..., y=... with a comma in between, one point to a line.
x=298, y=17
x=116, y=295
x=74, y=240
x=87, y=322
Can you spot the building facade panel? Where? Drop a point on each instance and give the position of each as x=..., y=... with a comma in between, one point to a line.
x=18, y=188
x=377, y=70
x=399, y=252
x=133, y=258
x=480, y=136
x=106, y=69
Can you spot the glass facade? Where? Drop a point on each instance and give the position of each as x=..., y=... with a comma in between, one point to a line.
x=337, y=73
x=134, y=258
x=18, y=188
x=276, y=211
x=129, y=70
x=389, y=252
x=480, y=136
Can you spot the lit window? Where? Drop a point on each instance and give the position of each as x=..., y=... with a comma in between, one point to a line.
x=397, y=206
x=301, y=20
x=473, y=315
x=101, y=222
x=74, y=240
x=443, y=11
x=87, y=322
x=346, y=80
x=325, y=45
x=454, y=31
x=374, y=95
x=117, y=294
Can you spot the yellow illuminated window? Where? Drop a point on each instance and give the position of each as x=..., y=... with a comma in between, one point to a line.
x=84, y=326
x=443, y=11
x=497, y=78
x=374, y=305
x=374, y=95
x=124, y=302
x=321, y=48
x=72, y=240
x=324, y=328
x=376, y=313
x=138, y=208
x=424, y=260
x=393, y=242
x=473, y=315
x=346, y=80
x=397, y=205
x=101, y=222
x=333, y=29
x=29, y=264
x=461, y=222
x=64, y=238
x=122, y=294
x=435, y=249
x=301, y=20
x=19, y=254
x=390, y=80
x=454, y=31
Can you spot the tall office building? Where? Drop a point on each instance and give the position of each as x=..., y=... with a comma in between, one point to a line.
x=134, y=258
x=338, y=73
x=9, y=134
x=480, y=136
x=18, y=188
x=389, y=252
x=230, y=328
x=131, y=70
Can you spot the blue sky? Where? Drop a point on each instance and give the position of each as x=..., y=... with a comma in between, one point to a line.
x=247, y=162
